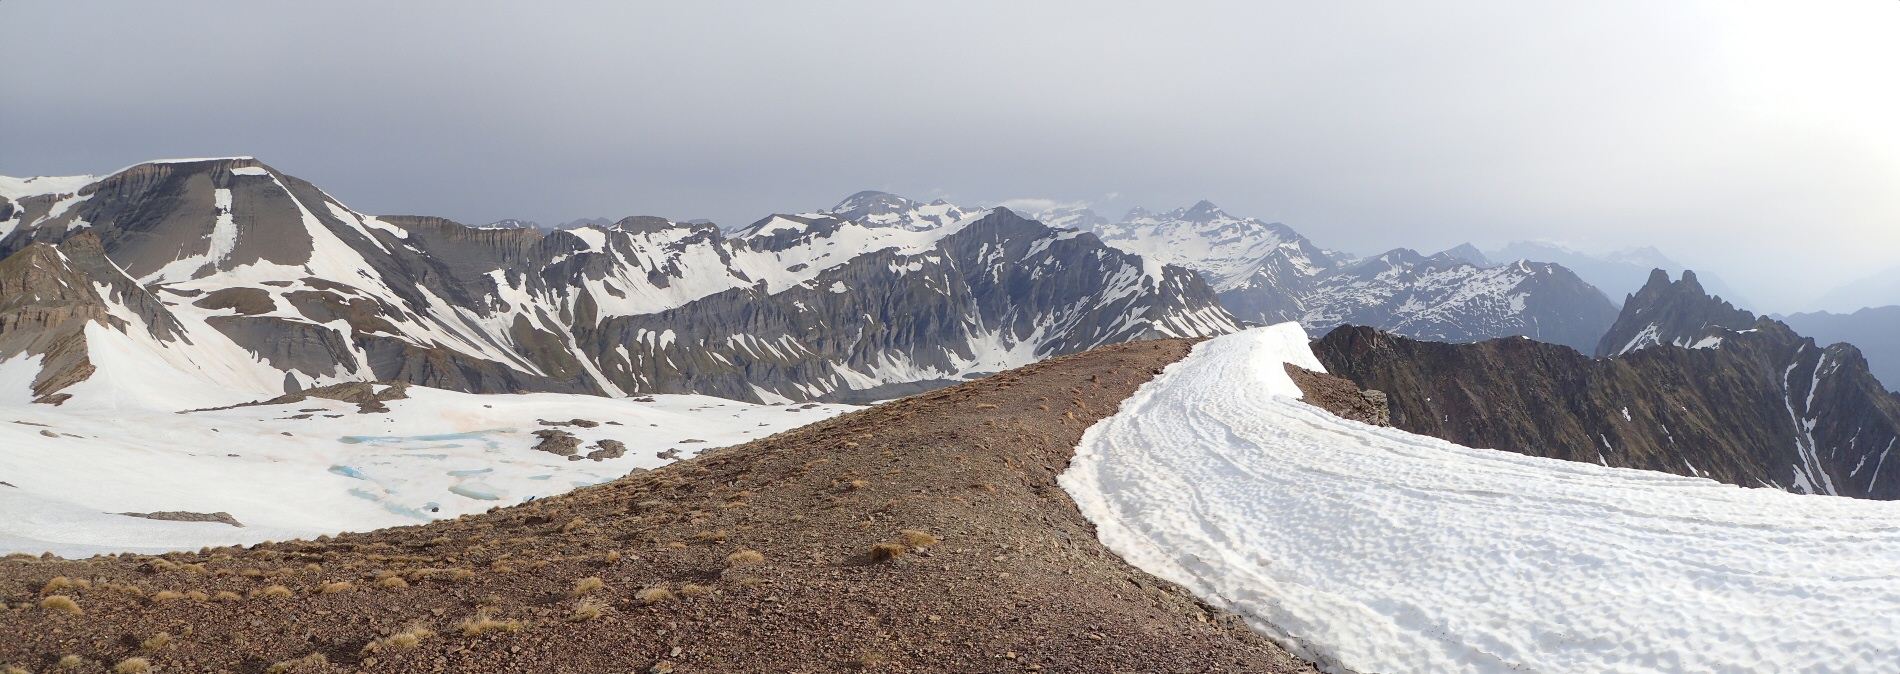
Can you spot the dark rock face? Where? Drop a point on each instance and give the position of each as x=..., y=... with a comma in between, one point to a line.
x=1340, y=396
x=1764, y=408
x=881, y=292
x=1677, y=313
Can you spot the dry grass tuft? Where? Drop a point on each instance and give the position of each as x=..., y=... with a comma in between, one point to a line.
x=484, y=622
x=916, y=539
x=869, y=660
x=885, y=552
x=459, y=575
x=391, y=582
x=226, y=595
x=653, y=595
x=132, y=666
x=745, y=557
x=62, y=603
x=61, y=582
x=611, y=558
x=71, y=662
x=573, y=524
x=408, y=638
x=313, y=660
x=587, y=609
x=713, y=536
x=165, y=596
x=157, y=641
x=10, y=669
x=586, y=585
x=676, y=545
x=695, y=590
x=855, y=485
x=271, y=592
x=335, y=588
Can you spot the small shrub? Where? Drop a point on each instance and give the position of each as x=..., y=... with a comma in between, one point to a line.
x=484, y=622
x=132, y=666
x=586, y=585
x=884, y=552
x=271, y=592
x=695, y=590
x=653, y=595
x=335, y=588
x=587, y=609
x=62, y=603
x=744, y=557
x=157, y=641
x=916, y=539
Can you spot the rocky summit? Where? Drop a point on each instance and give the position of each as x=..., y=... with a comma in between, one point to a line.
x=1704, y=390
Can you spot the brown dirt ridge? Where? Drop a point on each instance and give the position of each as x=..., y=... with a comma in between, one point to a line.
x=922, y=535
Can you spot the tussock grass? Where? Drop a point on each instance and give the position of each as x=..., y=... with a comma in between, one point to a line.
x=132, y=666
x=695, y=590
x=408, y=638
x=391, y=582
x=573, y=524
x=59, y=583
x=744, y=557
x=196, y=595
x=653, y=595
x=226, y=595
x=10, y=669
x=484, y=622
x=712, y=536
x=916, y=539
x=885, y=552
x=158, y=641
x=163, y=596
x=271, y=592
x=71, y=662
x=611, y=558
x=587, y=609
x=61, y=603
x=311, y=661
x=586, y=585
x=336, y=587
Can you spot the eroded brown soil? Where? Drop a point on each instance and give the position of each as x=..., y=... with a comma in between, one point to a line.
x=1016, y=582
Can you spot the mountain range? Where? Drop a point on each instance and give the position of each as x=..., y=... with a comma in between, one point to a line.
x=225, y=279
x=244, y=278
x=1685, y=383
x=1267, y=273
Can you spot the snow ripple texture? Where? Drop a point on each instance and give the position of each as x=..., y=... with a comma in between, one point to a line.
x=1373, y=550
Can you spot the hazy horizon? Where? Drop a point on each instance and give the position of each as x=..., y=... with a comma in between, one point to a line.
x=1760, y=142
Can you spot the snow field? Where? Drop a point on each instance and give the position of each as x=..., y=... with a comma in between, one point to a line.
x=1373, y=550
x=437, y=454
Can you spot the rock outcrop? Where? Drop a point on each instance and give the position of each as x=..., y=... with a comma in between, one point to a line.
x=1754, y=406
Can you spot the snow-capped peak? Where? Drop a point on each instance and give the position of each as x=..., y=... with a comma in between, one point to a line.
x=883, y=209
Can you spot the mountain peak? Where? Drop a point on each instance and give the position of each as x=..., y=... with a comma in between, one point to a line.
x=1669, y=312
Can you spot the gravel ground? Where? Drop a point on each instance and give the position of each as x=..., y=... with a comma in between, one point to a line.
x=922, y=535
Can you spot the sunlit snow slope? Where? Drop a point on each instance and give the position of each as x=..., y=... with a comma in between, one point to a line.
x=316, y=467
x=1373, y=550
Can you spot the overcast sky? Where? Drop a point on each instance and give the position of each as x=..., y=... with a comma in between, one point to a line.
x=1760, y=141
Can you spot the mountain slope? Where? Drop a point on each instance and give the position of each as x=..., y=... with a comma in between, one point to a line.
x=1268, y=273
x=1015, y=580
x=1751, y=405
x=230, y=263
x=1876, y=330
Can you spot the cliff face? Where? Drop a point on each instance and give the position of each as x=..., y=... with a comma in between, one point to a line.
x=1754, y=407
